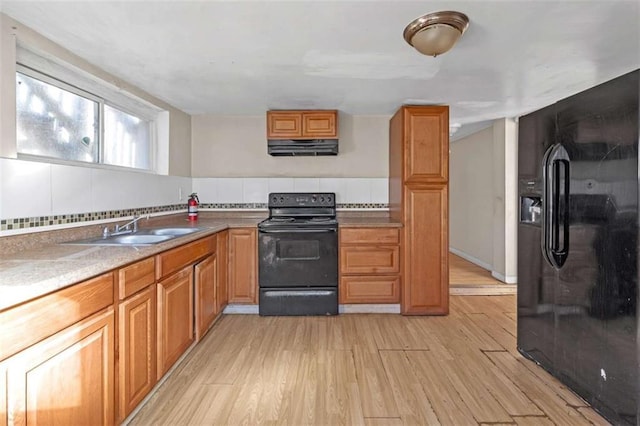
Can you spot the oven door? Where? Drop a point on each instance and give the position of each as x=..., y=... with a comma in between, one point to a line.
x=298, y=257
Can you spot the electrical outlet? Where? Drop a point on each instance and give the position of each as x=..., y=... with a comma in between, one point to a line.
x=180, y=194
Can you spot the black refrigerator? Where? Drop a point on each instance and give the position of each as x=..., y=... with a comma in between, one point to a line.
x=578, y=244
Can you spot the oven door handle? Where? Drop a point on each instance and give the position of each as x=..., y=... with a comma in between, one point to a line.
x=296, y=231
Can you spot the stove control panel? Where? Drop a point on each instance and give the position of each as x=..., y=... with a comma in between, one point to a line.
x=302, y=199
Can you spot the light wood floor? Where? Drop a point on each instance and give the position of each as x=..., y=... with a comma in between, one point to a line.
x=466, y=278
x=462, y=271
x=462, y=369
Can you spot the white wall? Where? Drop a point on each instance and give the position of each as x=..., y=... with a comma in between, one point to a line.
x=256, y=190
x=505, y=200
x=471, y=197
x=33, y=188
x=483, y=198
x=30, y=188
x=236, y=146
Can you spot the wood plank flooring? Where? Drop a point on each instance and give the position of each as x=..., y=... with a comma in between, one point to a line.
x=461, y=271
x=466, y=278
x=366, y=369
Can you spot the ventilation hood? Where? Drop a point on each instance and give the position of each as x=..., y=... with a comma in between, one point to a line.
x=291, y=147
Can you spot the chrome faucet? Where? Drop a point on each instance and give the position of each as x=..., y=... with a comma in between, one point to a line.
x=130, y=227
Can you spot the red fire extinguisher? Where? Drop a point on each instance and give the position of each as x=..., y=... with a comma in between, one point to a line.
x=192, y=206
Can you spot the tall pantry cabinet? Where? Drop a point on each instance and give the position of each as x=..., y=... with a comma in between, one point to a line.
x=418, y=197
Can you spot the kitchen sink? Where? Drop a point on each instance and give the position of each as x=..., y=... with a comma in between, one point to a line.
x=170, y=231
x=142, y=237
x=138, y=239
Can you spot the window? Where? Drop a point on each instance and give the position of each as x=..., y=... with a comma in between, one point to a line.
x=57, y=120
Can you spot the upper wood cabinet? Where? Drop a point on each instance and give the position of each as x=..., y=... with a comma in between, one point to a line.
x=319, y=124
x=243, y=266
x=418, y=197
x=426, y=144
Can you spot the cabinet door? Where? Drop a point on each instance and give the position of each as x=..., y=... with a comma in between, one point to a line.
x=175, y=317
x=222, y=254
x=206, y=303
x=425, y=288
x=284, y=125
x=66, y=379
x=242, y=266
x=136, y=349
x=426, y=156
x=3, y=394
x=320, y=124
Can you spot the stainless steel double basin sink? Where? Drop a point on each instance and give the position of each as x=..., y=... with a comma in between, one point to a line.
x=141, y=237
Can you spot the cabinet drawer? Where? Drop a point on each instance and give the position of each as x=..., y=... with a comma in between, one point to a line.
x=133, y=278
x=31, y=322
x=367, y=289
x=370, y=259
x=369, y=236
x=175, y=259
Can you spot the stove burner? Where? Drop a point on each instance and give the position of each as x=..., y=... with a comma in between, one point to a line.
x=282, y=219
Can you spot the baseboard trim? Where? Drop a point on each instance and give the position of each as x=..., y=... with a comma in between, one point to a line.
x=343, y=309
x=510, y=279
x=241, y=309
x=369, y=309
x=471, y=259
x=483, y=290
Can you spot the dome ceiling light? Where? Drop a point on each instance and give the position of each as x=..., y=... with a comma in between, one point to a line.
x=435, y=33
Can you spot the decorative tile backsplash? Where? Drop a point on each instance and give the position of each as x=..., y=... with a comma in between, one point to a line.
x=41, y=221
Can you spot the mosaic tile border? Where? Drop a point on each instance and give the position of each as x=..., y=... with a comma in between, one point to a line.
x=264, y=206
x=40, y=221
x=62, y=219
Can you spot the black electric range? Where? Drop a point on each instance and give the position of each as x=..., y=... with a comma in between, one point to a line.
x=298, y=255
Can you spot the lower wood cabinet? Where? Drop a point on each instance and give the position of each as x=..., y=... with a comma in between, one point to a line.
x=370, y=289
x=425, y=251
x=205, y=287
x=175, y=317
x=243, y=265
x=136, y=349
x=65, y=379
x=369, y=265
x=3, y=394
x=222, y=257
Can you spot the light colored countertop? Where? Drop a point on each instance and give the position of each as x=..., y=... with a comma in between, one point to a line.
x=36, y=264
x=366, y=220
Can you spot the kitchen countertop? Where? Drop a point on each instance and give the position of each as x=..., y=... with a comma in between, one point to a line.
x=36, y=264
x=366, y=220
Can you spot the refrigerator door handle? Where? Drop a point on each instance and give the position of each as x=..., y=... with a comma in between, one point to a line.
x=555, y=206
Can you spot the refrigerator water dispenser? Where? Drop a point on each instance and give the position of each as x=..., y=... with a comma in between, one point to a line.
x=530, y=210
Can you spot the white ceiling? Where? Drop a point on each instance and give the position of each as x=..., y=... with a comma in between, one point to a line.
x=244, y=57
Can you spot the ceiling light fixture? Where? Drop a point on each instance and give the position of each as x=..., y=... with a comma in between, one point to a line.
x=435, y=33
